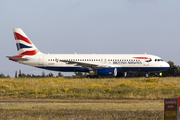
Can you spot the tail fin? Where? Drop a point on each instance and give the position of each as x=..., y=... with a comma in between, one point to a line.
x=23, y=43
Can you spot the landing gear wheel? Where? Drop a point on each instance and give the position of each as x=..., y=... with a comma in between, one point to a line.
x=125, y=74
x=147, y=75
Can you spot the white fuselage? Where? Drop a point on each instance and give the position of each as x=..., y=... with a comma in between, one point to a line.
x=123, y=62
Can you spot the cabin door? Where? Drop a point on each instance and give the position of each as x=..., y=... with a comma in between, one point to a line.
x=40, y=60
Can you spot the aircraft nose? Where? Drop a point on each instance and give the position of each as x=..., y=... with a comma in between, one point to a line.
x=166, y=65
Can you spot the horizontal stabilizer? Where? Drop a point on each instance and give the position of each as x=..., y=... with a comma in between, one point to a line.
x=16, y=58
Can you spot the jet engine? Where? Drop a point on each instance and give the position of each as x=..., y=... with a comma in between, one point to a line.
x=107, y=72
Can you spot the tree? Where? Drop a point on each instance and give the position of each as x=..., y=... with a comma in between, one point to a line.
x=2, y=75
x=172, y=71
x=19, y=73
x=60, y=74
x=85, y=75
x=23, y=75
x=43, y=74
x=28, y=75
x=16, y=74
x=50, y=75
x=8, y=76
x=79, y=75
x=33, y=76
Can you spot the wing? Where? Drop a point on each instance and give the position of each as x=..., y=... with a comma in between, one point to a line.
x=86, y=65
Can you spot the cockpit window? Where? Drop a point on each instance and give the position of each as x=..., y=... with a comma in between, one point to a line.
x=157, y=60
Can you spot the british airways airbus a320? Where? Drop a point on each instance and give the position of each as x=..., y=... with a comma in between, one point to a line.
x=94, y=64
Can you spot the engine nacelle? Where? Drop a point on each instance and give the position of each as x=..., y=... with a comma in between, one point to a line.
x=107, y=72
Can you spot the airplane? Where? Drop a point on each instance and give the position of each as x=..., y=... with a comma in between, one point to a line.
x=94, y=64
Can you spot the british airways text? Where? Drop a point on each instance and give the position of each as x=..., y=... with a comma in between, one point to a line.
x=128, y=62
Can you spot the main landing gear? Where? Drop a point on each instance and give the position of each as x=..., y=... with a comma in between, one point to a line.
x=125, y=74
x=147, y=75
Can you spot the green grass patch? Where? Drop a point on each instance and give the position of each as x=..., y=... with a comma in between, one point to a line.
x=109, y=88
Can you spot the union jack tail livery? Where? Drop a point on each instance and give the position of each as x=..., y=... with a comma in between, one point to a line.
x=23, y=43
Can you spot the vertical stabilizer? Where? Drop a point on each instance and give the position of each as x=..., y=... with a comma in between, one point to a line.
x=23, y=43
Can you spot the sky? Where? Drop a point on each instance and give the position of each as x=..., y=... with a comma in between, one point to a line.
x=90, y=26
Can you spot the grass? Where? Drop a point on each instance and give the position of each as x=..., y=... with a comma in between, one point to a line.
x=109, y=88
x=84, y=110
x=93, y=105
x=85, y=99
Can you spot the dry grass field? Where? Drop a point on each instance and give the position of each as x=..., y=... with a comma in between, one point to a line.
x=85, y=99
x=83, y=110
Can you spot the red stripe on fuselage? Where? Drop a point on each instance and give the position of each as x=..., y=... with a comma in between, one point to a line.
x=33, y=52
x=141, y=57
x=18, y=36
